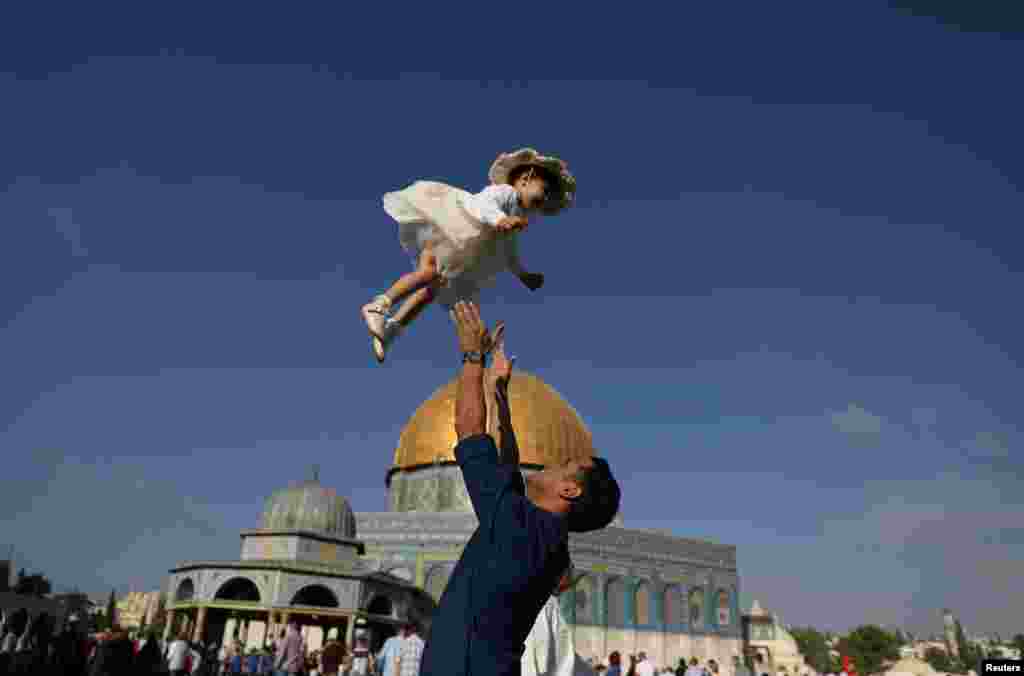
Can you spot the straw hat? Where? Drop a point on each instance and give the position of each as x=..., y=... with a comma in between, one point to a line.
x=561, y=196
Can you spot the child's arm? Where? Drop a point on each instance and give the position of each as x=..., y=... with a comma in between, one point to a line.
x=530, y=280
x=492, y=205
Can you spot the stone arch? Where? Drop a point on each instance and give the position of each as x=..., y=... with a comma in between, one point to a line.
x=238, y=589
x=615, y=602
x=673, y=613
x=315, y=595
x=642, y=611
x=380, y=605
x=186, y=591
x=437, y=580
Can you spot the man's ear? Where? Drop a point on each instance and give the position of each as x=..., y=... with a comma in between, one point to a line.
x=569, y=490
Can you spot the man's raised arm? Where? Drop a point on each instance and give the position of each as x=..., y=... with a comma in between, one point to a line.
x=470, y=407
x=502, y=369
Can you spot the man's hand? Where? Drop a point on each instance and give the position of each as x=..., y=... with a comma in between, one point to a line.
x=502, y=363
x=473, y=335
x=532, y=280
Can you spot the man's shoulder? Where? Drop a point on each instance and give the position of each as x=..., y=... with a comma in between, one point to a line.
x=478, y=444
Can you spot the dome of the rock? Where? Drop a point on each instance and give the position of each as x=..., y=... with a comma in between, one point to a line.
x=548, y=429
x=309, y=506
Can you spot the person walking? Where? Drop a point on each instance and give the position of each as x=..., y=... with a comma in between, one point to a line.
x=177, y=656
x=411, y=655
x=291, y=653
x=389, y=653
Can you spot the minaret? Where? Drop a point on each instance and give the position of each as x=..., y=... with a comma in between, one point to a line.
x=949, y=633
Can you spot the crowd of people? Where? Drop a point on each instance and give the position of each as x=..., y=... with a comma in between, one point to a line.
x=641, y=665
x=34, y=647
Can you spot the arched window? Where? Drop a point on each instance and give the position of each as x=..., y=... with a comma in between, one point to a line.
x=672, y=606
x=615, y=603
x=186, y=591
x=583, y=599
x=695, y=601
x=238, y=589
x=723, y=608
x=380, y=605
x=577, y=604
x=315, y=595
x=642, y=604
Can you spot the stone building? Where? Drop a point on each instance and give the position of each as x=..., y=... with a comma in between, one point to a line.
x=669, y=596
x=303, y=562
x=137, y=609
x=772, y=648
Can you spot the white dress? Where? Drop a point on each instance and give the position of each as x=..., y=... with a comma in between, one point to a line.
x=550, y=648
x=460, y=228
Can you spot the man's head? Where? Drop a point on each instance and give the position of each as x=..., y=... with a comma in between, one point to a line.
x=642, y=656
x=584, y=490
x=410, y=628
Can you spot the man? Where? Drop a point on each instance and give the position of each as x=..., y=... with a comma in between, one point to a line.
x=520, y=548
x=363, y=661
x=291, y=653
x=411, y=656
x=113, y=655
x=695, y=669
x=550, y=648
x=644, y=667
x=331, y=657
x=177, y=654
x=389, y=653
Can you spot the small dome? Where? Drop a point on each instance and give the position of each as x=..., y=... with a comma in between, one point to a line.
x=310, y=507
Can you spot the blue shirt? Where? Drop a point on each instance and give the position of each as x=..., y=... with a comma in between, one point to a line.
x=504, y=577
x=387, y=654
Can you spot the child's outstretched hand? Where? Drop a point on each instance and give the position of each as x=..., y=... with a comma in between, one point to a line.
x=532, y=280
x=512, y=224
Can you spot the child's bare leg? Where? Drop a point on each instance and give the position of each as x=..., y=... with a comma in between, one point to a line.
x=415, y=304
x=427, y=273
x=375, y=312
x=419, y=286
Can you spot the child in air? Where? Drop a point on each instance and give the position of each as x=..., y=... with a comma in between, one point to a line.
x=460, y=241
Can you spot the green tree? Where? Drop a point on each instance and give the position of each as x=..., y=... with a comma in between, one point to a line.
x=814, y=647
x=871, y=648
x=111, y=610
x=939, y=660
x=1018, y=643
x=33, y=585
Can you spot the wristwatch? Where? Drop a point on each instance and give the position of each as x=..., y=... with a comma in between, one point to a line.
x=474, y=358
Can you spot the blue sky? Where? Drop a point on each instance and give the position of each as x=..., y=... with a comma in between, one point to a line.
x=787, y=303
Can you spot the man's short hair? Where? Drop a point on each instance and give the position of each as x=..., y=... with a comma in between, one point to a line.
x=598, y=502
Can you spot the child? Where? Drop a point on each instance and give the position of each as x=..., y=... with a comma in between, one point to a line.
x=461, y=241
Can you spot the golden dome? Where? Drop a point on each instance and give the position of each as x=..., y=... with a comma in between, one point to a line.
x=548, y=429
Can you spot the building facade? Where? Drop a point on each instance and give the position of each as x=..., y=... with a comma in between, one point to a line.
x=668, y=596
x=305, y=563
